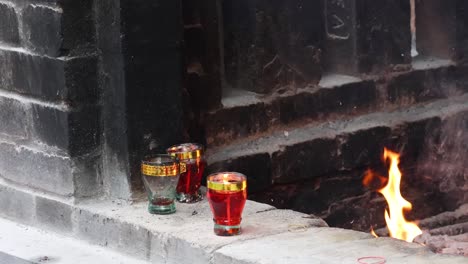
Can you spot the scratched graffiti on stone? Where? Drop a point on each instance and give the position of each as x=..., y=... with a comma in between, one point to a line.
x=335, y=25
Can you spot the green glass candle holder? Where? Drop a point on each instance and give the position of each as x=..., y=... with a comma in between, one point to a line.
x=160, y=175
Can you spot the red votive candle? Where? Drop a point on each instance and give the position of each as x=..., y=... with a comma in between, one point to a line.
x=192, y=165
x=227, y=193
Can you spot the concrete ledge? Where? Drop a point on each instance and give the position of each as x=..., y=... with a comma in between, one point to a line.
x=269, y=235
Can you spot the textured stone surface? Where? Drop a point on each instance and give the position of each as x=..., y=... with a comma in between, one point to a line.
x=317, y=104
x=42, y=29
x=326, y=246
x=47, y=78
x=366, y=36
x=269, y=235
x=8, y=24
x=272, y=44
x=14, y=117
x=36, y=168
x=17, y=205
x=33, y=245
x=75, y=132
x=312, y=150
x=436, y=37
x=54, y=215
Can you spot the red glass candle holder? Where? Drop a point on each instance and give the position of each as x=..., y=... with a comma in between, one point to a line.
x=227, y=193
x=192, y=166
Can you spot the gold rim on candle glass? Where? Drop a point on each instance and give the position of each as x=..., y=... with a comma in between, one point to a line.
x=186, y=151
x=227, y=181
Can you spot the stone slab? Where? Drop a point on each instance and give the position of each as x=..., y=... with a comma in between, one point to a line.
x=25, y=244
x=326, y=245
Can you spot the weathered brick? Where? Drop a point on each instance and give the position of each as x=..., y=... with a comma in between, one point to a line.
x=354, y=97
x=47, y=78
x=74, y=131
x=16, y=205
x=367, y=36
x=8, y=24
x=54, y=214
x=304, y=160
x=62, y=27
x=362, y=148
x=422, y=85
x=113, y=233
x=36, y=169
x=42, y=29
x=228, y=124
x=272, y=44
x=14, y=117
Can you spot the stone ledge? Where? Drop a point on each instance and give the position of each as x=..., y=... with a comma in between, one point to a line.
x=269, y=235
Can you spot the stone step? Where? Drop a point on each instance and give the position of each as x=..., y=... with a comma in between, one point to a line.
x=21, y=244
x=89, y=232
x=246, y=114
x=184, y=237
x=312, y=150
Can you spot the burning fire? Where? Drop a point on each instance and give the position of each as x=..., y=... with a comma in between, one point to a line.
x=397, y=225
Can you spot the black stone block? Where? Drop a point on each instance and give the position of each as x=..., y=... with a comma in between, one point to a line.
x=257, y=168
x=78, y=27
x=436, y=28
x=203, y=53
x=229, y=124
x=64, y=27
x=73, y=132
x=462, y=31
x=304, y=160
x=367, y=36
x=272, y=44
x=74, y=80
x=363, y=148
x=8, y=24
x=421, y=85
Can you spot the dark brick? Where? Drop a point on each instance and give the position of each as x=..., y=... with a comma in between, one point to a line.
x=367, y=36
x=75, y=132
x=8, y=24
x=50, y=79
x=350, y=98
x=304, y=160
x=229, y=124
x=462, y=31
x=257, y=168
x=362, y=148
x=78, y=27
x=436, y=28
x=42, y=29
x=272, y=44
x=421, y=85
x=57, y=32
x=14, y=117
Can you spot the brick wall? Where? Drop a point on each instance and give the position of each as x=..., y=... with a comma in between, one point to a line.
x=49, y=94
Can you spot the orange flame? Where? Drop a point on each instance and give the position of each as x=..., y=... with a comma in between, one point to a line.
x=396, y=223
